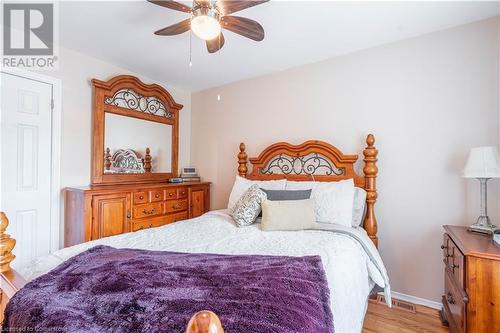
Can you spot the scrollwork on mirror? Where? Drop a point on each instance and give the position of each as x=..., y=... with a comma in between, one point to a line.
x=130, y=99
x=311, y=164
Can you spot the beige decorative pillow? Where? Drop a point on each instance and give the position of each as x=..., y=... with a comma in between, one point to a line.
x=288, y=215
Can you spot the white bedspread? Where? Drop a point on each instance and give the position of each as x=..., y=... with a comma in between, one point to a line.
x=350, y=270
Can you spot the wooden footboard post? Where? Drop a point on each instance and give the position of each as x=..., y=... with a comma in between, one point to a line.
x=242, y=161
x=6, y=244
x=10, y=280
x=204, y=322
x=370, y=170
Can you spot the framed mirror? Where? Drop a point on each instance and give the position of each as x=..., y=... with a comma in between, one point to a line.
x=135, y=132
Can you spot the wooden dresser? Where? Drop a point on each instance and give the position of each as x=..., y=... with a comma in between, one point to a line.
x=471, y=300
x=101, y=211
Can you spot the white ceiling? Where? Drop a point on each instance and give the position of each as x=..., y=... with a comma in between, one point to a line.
x=297, y=33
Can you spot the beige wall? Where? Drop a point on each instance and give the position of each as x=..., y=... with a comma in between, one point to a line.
x=427, y=100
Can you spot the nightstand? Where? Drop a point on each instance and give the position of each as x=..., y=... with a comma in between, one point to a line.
x=471, y=300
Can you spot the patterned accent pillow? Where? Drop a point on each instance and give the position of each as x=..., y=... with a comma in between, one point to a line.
x=248, y=206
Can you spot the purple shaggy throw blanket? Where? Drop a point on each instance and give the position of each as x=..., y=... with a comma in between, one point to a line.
x=123, y=290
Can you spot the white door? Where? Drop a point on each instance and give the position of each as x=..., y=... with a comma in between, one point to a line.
x=26, y=126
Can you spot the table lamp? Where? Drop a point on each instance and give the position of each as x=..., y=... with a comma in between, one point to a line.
x=483, y=163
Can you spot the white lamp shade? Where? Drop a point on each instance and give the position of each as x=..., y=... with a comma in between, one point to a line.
x=483, y=162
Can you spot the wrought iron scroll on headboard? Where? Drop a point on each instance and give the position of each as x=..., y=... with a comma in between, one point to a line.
x=310, y=160
x=311, y=164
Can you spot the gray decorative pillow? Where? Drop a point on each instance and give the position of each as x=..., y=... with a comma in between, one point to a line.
x=284, y=195
x=248, y=206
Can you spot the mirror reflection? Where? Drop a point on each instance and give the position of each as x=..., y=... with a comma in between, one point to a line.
x=134, y=145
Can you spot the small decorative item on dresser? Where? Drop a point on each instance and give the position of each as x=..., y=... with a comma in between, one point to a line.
x=189, y=174
x=483, y=163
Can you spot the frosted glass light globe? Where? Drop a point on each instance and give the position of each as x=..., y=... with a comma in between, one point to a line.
x=205, y=27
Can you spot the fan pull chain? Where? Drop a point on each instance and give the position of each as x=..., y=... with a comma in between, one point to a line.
x=190, y=49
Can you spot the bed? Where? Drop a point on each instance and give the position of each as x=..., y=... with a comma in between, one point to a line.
x=351, y=263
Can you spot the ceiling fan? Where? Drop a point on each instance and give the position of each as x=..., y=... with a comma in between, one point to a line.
x=209, y=17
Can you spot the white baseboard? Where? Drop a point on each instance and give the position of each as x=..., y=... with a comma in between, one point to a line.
x=416, y=300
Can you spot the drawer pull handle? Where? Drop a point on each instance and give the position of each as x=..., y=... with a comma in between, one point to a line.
x=449, y=298
x=448, y=255
x=148, y=212
x=453, y=266
x=443, y=247
x=157, y=195
x=170, y=194
x=141, y=197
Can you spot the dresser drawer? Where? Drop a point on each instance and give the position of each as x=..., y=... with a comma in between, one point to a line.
x=176, y=205
x=177, y=217
x=148, y=210
x=454, y=303
x=454, y=260
x=182, y=193
x=156, y=195
x=171, y=193
x=140, y=197
x=158, y=221
x=147, y=223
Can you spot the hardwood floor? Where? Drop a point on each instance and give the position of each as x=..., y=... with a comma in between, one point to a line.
x=381, y=319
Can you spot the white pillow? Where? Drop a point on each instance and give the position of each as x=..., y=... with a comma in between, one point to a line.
x=287, y=215
x=359, y=198
x=293, y=185
x=358, y=209
x=334, y=201
x=242, y=184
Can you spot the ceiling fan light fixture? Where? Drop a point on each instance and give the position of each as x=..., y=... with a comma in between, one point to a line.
x=205, y=23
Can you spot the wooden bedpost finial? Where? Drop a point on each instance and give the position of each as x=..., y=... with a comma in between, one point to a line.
x=370, y=170
x=107, y=159
x=370, y=140
x=147, y=161
x=6, y=244
x=242, y=161
x=204, y=322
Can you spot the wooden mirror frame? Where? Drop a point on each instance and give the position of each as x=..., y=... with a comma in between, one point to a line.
x=107, y=89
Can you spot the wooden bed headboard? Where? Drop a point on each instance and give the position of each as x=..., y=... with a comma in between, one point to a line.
x=318, y=161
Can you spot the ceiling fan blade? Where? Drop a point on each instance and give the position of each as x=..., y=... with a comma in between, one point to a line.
x=227, y=7
x=170, y=4
x=243, y=26
x=175, y=29
x=215, y=44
